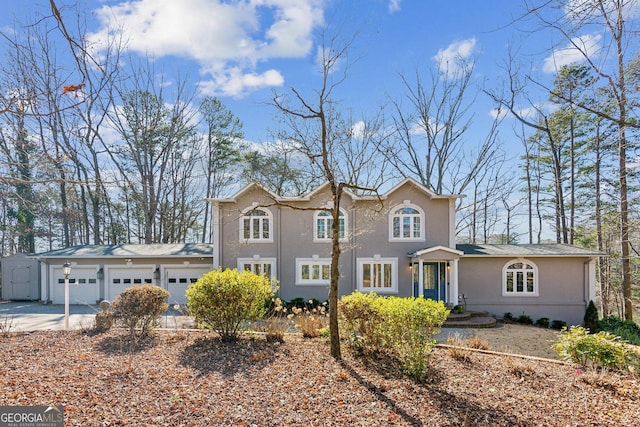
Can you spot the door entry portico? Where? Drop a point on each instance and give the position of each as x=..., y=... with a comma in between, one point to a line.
x=430, y=280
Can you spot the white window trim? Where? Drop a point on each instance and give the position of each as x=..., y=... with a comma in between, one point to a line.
x=406, y=204
x=328, y=239
x=258, y=260
x=241, y=225
x=378, y=260
x=514, y=293
x=310, y=262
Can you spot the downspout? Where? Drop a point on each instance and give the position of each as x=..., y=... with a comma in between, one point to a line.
x=215, y=234
x=354, y=265
x=279, y=244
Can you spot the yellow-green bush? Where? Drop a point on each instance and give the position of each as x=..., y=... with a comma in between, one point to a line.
x=360, y=313
x=601, y=350
x=225, y=301
x=138, y=307
x=403, y=327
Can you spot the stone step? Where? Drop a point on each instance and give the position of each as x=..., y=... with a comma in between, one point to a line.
x=478, y=321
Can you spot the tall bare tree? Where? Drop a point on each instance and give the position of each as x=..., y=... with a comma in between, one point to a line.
x=153, y=132
x=431, y=142
x=327, y=139
x=615, y=21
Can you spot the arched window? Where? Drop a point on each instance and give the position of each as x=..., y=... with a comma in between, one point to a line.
x=520, y=278
x=256, y=225
x=323, y=225
x=406, y=222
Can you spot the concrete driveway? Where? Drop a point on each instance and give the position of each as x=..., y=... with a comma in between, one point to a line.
x=33, y=316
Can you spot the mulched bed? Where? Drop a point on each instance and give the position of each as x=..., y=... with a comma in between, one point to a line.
x=186, y=378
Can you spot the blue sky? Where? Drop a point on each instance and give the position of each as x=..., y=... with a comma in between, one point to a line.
x=241, y=51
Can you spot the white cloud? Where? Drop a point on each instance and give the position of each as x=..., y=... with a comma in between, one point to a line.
x=451, y=59
x=394, y=6
x=226, y=38
x=235, y=82
x=588, y=45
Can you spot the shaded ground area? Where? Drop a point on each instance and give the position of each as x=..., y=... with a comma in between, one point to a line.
x=187, y=378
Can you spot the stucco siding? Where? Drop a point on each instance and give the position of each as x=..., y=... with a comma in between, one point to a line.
x=561, y=288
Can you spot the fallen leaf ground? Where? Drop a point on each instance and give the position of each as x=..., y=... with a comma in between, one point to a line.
x=186, y=378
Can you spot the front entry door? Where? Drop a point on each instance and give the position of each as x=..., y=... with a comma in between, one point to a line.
x=429, y=280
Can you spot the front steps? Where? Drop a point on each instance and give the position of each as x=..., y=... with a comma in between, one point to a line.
x=470, y=319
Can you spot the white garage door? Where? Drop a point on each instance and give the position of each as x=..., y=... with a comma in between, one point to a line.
x=120, y=278
x=177, y=280
x=83, y=286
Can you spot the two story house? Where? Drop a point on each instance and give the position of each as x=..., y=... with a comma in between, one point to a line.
x=401, y=243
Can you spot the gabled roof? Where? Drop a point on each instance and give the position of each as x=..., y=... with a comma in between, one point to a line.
x=435, y=249
x=181, y=250
x=421, y=187
x=537, y=250
x=322, y=186
x=246, y=189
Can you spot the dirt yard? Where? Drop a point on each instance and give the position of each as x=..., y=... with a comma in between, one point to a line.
x=519, y=339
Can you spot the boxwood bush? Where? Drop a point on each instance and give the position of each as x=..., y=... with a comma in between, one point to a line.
x=225, y=301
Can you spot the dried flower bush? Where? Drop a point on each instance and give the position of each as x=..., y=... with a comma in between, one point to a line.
x=139, y=307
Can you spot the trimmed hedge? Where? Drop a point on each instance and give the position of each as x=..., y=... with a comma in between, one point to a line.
x=225, y=301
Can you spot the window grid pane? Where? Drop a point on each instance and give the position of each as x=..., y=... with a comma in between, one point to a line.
x=520, y=278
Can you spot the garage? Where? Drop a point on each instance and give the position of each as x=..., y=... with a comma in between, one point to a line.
x=177, y=279
x=118, y=279
x=103, y=271
x=83, y=286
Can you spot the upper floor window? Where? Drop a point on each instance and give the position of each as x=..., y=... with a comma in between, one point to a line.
x=520, y=278
x=406, y=222
x=323, y=225
x=256, y=225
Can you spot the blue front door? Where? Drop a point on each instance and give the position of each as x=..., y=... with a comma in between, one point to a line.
x=430, y=280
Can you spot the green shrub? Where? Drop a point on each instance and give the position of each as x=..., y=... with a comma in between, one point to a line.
x=591, y=318
x=361, y=315
x=225, y=301
x=458, y=309
x=402, y=327
x=601, y=350
x=558, y=324
x=525, y=320
x=139, y=307
x=298, y=302
x=408, y=327
x=625, y=329
x=543, y=322
x=507, y=317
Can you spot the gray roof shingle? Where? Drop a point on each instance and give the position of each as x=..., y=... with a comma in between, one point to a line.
x=132, y=251
x=540, y=250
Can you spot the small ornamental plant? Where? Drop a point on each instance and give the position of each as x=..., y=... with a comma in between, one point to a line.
x=227, y=301
x=591, y=318
x=138, y=308
x=276, y=322
x=599, y=350
x=311, y=319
